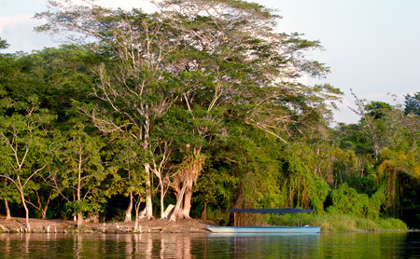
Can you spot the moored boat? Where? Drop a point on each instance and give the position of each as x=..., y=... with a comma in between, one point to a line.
x=227, y=229
x=265, y=229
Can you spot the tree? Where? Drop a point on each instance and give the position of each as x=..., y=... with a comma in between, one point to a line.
x=84, y=169
x=212, y=59
x=26, y=148
x=9, y=194
x=3, y=44
x=412, y=104
x=239, y=68
x=373, y=120
x=137, y=87
x=187, y=174
x=377, y=110
x=215, y=187
x=43, y=195
x=128, y=176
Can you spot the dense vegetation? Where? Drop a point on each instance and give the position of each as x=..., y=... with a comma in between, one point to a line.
x=200, y=105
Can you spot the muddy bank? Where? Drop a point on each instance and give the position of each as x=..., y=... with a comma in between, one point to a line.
x=18, y=225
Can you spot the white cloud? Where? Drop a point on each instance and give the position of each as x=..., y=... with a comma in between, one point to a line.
x=127, y=4
x=123, y=4
x=345, y=114
x=19, y=33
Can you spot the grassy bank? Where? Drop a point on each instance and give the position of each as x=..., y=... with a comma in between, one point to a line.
x=338, y=222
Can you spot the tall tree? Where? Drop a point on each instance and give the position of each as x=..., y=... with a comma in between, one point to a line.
x=8, y=193
x=26, y=147
x=137, y=87
x=84, y=169
x=371, y=116
x=239, y=67
x=213, y=59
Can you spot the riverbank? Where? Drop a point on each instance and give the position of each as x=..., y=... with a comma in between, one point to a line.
x=18, y=225
x=328, y=223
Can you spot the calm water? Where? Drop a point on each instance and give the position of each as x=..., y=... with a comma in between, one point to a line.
x=337, y=245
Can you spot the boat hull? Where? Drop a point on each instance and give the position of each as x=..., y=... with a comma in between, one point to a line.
x=305, y=229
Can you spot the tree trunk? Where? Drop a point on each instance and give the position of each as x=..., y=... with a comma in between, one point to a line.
x=162, y=196
x=22, y=197
x=204, y=212
x=44, y=212
x=194, y=171
x=137, y=227
x=79, y=187
x=187, y=203
x=177, y=210
x=6, y=205
x=147, y=213
x=129, y=209
x=79, y=220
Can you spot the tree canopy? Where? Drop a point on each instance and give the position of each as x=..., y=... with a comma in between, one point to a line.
x=200, y=105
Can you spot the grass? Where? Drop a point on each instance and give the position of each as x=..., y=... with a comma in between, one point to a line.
x=338, y=222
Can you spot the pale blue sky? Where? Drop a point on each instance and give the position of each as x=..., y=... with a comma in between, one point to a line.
x=371, y=46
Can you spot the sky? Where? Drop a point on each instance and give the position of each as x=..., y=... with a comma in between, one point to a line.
x=372, y=47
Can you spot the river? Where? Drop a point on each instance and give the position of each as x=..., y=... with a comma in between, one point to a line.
x=324, y=245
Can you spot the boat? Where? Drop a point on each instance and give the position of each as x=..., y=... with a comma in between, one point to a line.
x=265, y=229
x=227, y=229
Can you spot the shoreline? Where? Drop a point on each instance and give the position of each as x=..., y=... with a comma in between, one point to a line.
x=17, y=225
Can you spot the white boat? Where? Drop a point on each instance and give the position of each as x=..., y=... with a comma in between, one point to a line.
x=227, y=229
x=270, y=229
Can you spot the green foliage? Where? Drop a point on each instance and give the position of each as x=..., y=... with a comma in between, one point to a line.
x=338, y=222
x=412, y=104
x=302, y=187
x=352, y=137
x=257, y=171
x=220, y=216
x=377, y=110
x=392, y=223
x=376, y=203
x=347, y=200
x=319, y=190
x=83, y=206
x=82, y=159
x=216, y=187
x=3, y=44
x=9, y=192
x=344, y=165
x=211, y=78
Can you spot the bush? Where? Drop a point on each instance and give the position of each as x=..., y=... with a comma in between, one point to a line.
x=392, y=224
x=347, y=200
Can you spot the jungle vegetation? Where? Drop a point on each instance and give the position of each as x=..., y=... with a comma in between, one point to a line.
x=200, y=105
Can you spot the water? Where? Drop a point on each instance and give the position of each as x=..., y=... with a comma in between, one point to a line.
x=325, y=245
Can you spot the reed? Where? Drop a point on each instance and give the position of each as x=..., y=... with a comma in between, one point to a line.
x=338, y=222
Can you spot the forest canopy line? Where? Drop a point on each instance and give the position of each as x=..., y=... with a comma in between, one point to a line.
x=199, y=105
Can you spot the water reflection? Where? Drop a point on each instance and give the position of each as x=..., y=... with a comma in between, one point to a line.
x=338, y=245
x=101, y=245
x=247, y=245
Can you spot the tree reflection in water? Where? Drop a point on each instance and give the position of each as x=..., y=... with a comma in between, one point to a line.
x=188, y=246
